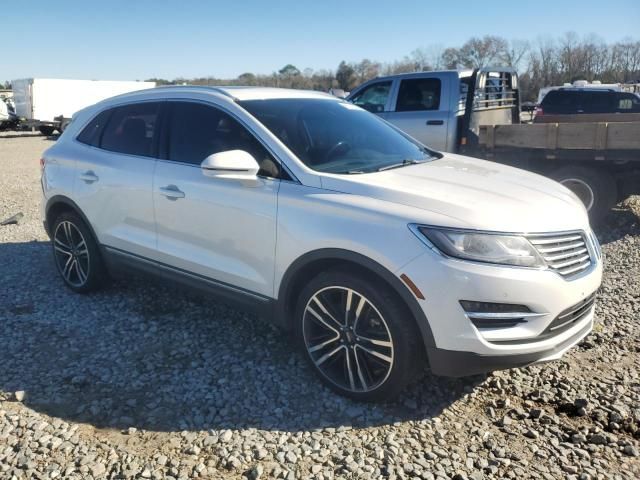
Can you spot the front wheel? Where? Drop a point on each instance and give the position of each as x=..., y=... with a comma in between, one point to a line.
x=358, y=337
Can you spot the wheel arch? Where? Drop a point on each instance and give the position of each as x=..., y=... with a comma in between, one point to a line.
x=312, y=263
x=57, y=205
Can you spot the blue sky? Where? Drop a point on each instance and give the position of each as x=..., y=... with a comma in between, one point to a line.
x=118, y=39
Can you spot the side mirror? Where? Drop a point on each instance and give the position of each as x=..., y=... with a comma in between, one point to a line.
x=233, y=164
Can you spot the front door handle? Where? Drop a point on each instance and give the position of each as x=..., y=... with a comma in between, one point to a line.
x=435, y=122
x=89, y=177
x=171, y=192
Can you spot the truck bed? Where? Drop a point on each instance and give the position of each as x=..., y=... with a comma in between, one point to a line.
x=598, y=141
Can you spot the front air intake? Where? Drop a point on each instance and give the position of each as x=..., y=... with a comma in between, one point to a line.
x=496, y=315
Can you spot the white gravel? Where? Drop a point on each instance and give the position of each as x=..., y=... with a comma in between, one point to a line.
x=138, y=381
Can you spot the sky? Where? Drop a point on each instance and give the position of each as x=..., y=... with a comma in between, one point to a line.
x=135, y=40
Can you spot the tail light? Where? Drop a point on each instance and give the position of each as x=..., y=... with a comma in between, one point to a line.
x=538, y=112
x=42, y=163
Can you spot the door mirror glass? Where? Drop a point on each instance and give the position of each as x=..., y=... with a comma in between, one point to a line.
x=236, y=164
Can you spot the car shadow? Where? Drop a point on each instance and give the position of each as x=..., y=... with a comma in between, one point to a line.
x=141, y=355
x=619, y=222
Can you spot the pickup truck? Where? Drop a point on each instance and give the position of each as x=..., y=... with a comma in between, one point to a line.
x=477, y=113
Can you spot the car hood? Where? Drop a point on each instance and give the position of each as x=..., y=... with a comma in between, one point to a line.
x=474, y=193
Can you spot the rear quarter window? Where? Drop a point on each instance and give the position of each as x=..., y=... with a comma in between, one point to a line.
x=90, y=134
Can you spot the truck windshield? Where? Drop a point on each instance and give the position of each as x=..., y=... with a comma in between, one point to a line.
x=337, y=137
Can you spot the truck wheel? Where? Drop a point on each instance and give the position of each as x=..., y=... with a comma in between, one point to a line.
x=46, y=130
x=595, y=187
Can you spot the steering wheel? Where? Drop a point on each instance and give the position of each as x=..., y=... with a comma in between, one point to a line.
x=340, y=147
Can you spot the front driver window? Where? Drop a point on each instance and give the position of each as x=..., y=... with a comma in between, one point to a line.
x=374, y=97
x=197, y=131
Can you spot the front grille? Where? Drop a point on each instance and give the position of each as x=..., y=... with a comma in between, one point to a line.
x=570, y=316
x=565, y=253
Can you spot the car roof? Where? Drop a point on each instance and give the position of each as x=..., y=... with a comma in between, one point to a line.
x=233, y=92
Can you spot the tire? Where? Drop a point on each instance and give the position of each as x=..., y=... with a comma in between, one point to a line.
x=595, y=187
x=46, y=130
x=76, y=254
x=338, y=346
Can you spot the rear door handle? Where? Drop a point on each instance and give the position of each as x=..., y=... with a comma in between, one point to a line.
x=89, y=177
x=435, y=122
x=171, y=192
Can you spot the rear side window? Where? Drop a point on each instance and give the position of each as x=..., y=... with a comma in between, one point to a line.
x=131, y=129
x=599, y=102
x=374, y=97
x=90, y=135
x=561, y=102
x=628, y=103
x=418, y=94
x=197, y=131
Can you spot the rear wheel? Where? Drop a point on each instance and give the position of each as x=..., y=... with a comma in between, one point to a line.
x=46, y=130
x=358, y=337
x=76, y=254
x=595, y=188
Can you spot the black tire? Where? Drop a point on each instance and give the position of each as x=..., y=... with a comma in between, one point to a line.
x=406, y=352
x=595, y=187
x=69, y=237
x=46, y=130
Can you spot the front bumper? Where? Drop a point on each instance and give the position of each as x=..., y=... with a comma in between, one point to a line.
x=459, y=348
x=451, y=363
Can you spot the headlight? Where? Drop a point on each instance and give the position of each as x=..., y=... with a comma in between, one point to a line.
x=484, y=247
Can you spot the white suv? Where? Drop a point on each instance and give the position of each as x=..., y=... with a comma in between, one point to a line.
x=378, y=253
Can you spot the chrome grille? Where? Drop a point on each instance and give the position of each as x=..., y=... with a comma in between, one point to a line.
x=566, y=253
x=571, y=316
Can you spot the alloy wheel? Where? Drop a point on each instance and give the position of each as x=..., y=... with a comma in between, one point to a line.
x=348, y=339
x=71, y=254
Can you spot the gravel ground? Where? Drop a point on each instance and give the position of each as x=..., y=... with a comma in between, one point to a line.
x=138, y=381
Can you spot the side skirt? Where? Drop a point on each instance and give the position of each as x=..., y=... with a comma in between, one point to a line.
x=120, y=263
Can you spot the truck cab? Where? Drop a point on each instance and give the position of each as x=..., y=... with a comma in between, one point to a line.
x=435, y=107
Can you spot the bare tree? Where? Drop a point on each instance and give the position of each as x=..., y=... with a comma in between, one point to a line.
x=515, y=52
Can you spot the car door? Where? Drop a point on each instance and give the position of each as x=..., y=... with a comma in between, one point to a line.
x=421, y=110
x=221, y=229
x=374, y=97
x=115, y=174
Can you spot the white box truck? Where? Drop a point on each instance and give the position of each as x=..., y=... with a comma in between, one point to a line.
x=49, y=103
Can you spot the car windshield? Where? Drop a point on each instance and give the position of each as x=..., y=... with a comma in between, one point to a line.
x=337, y=137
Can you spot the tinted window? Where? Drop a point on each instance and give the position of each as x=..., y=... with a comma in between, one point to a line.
x=337, y=137
x=91, y=133
x=374, y=97
x=418, y=94
x=562, y=102
x=628, y=103
x=197, y=131
x=130, y=129
x=599, y=102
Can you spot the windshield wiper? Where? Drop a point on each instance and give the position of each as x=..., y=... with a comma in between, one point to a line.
x=404, y=163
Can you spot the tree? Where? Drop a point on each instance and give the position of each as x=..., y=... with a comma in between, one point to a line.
x=482, y=52
x=515, y=52
x=247, y=78
x=345, y=75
